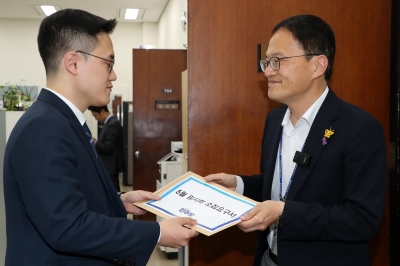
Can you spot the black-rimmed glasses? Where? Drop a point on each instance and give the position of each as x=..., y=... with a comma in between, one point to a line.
x=111, y=61
x=275, y=62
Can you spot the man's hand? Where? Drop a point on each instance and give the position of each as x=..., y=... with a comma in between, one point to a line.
x=226, y=180
x=261, y=216
x=135, y=196
x=174, y=233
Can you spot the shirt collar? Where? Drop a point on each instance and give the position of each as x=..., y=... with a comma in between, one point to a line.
x=77, y=112
x=108, y=118
x=310, y=114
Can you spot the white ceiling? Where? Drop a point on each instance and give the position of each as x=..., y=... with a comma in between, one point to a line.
x=107, y=9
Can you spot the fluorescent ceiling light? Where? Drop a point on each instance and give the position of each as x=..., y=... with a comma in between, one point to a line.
x=48, y=10
x=131, y=13
x=43, y=10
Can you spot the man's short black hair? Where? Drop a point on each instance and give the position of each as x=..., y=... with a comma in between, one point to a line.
x=69, y=30
x=97, y=109
x=314, y=35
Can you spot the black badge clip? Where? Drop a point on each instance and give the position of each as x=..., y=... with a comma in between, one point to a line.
x=301, y=158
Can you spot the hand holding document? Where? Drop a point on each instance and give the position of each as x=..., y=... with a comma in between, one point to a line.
x=214, y=207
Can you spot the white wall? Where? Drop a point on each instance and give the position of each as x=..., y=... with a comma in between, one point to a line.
x=126, y=37
x=20, y=56
x=21, y=59
x=170, y=32
x=150, y=34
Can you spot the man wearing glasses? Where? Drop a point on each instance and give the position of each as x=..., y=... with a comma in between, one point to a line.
x=61, y=206
x=323, y=166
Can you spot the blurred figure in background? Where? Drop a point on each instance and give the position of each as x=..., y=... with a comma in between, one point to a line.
x=109, y=145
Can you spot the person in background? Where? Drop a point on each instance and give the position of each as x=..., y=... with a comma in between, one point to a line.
x=61, y=206
x=109, y=145
x=323, y=166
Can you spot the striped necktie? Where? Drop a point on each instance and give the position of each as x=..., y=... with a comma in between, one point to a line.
x=89, y=136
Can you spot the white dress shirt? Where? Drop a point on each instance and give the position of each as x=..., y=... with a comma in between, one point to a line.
x=77, y=112
x=293, y=139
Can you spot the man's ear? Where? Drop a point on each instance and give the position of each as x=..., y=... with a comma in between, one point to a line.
x=321, y=64
x=71, y=62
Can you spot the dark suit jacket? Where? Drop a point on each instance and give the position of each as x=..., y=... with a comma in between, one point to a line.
x=335, y=203
x=109, y=146
x=61, y=208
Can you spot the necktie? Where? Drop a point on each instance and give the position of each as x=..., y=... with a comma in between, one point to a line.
x=89, y=136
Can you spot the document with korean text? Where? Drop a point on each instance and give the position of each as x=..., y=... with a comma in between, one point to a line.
x=214, y=207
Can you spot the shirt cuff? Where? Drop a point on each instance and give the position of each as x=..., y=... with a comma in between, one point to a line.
x=159, y=237
x=239, y=185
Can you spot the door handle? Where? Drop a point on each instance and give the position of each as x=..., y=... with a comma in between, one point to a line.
x=137, y=153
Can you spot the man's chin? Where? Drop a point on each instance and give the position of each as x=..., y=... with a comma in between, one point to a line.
x=101, y=103
x=275, y=97
x=271, y=95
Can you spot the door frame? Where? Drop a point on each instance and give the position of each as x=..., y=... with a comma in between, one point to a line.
x=394, y=150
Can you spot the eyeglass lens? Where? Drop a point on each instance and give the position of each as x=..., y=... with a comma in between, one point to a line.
x=111, y=67
x=274, y=62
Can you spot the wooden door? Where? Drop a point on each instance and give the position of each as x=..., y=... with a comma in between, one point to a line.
x=117, y=106
x=228, y=99
x=394, y=172
x=156, y=91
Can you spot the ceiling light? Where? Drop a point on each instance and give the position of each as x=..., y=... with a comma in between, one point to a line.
x=131, y=13
x=48, y=10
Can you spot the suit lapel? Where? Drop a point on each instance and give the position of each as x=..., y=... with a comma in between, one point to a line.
x=314, y=147
x=102, y=132
x=104, y=127
x=269, y=166
x=61, y=106
x=85, y=141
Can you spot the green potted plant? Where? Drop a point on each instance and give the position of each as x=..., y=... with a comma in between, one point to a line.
x=11, y=96
x=17, y=97
x=26, y=96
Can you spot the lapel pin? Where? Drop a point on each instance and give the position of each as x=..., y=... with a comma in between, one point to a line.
x=328, y=133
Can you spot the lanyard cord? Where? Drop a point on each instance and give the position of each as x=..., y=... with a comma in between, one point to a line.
x=283, y=199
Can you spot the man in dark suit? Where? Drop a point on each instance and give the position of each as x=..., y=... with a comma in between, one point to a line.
x=61, y=208
x=323, y=166
x=109, y=146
